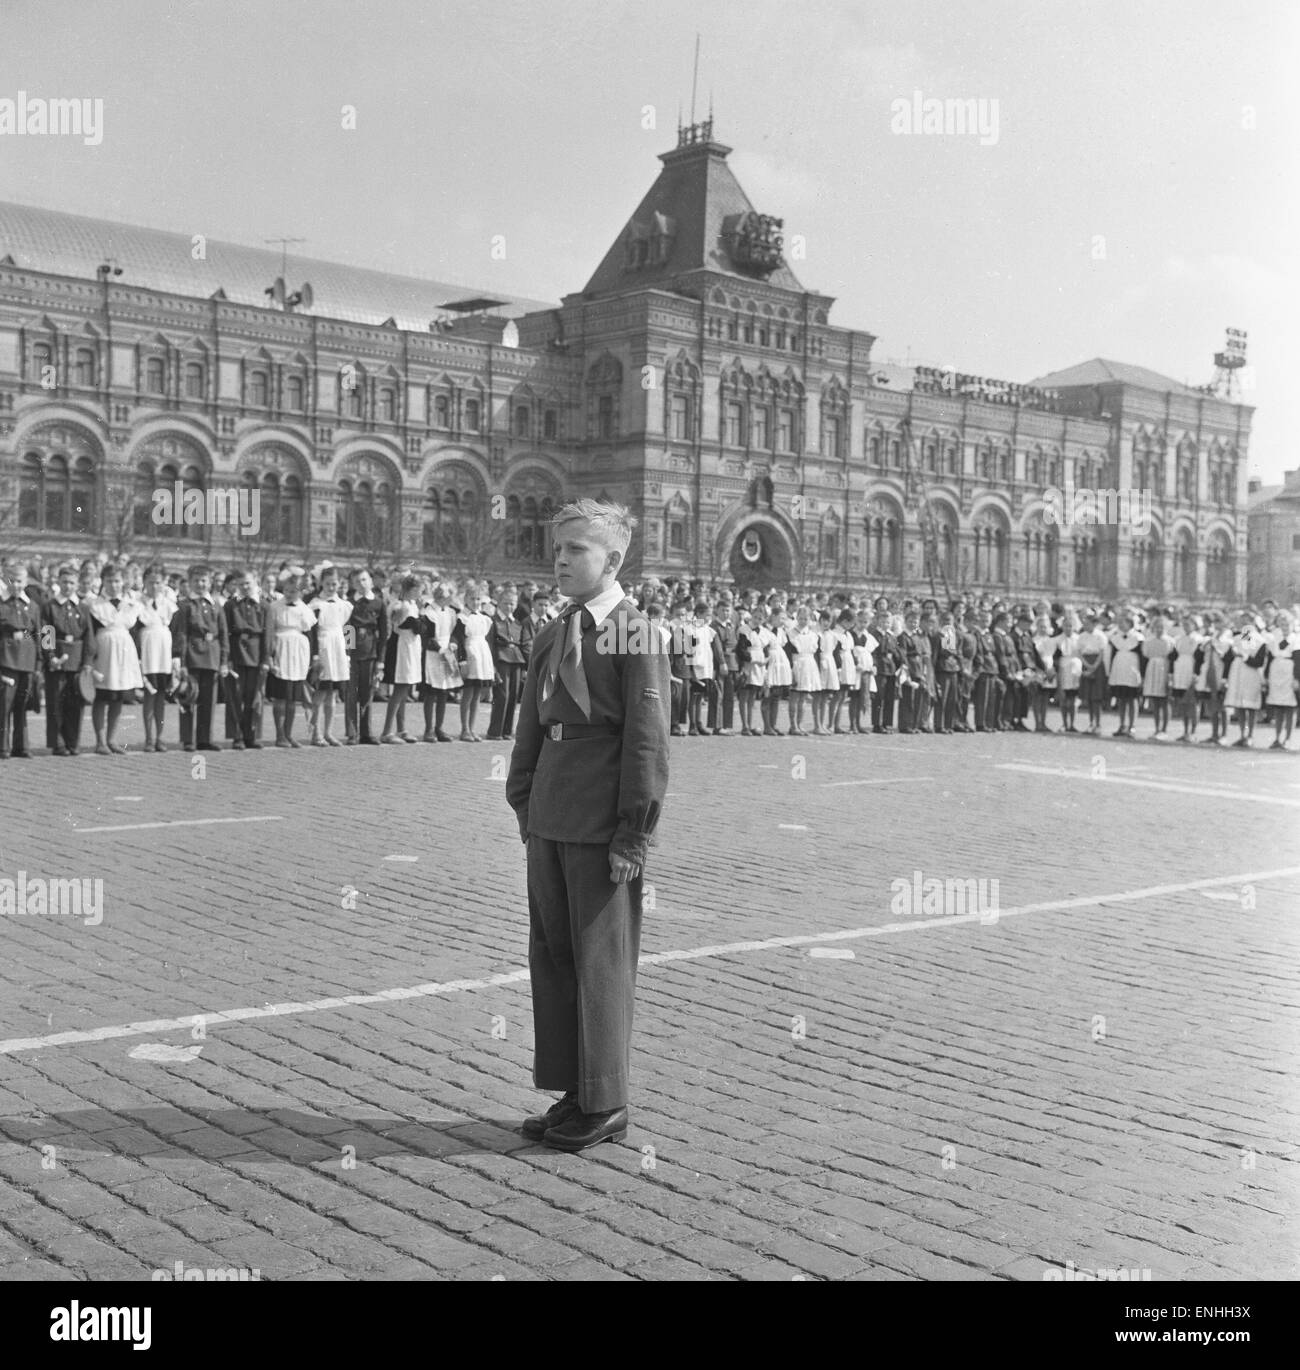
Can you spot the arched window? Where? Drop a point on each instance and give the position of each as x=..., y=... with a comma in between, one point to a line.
x=155, y=376
x=43, y=368
x=84, y=365
x=363, y=515
x=1086, y=569
x=257, y=389
x=442, y=411
x=472, y=409
x=512, y=528
x=884, y=544
x=164, y=477
x=194, y=378
x=1146, y=568
x=387, y=404
x=523, y=416
x=1184, y=565
x=31, y=482
x=990, y=544
x=1219, y=567
x=550, y=425
x=294, y=392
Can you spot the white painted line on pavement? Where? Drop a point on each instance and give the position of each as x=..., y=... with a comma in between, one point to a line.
x=128, y=799
x=794, y=827
x=891, y=780
x=188, y=823
x=235, y=1015
x=1204, y=791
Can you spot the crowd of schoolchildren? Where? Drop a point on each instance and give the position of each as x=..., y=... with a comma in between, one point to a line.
x=356, y=657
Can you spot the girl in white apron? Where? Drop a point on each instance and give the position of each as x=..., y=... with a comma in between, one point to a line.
x=153, y=640
x=1283, y=665
x=332, y=613
x=805, y=675
x=289, y=627
x=1157, y=648
x=408, y=659
x=117, y=663
x=1211, y=677
x=779, y=676
x=1244, y=659
x=1182, y=676
x=849, y=676
x=441, y=669
x=471, y=637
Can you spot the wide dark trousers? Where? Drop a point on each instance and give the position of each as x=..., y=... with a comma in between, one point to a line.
x=988, y=702
x=505, y=697
x=63, y=710
x=358, y=697
x=13, y=702
x=882, y=702
x=207, y=683
x=244, y=698
x=724, y=700
x=945, y=708
x=583, y=943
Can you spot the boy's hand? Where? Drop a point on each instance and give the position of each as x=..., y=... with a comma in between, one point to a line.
x=621, y=869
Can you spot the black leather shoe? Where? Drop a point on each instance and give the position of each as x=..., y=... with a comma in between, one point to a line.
x=587, y=1129
x=559, y=1112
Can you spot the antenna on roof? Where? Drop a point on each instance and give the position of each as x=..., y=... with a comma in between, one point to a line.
x=695, y=76
x=284, y=250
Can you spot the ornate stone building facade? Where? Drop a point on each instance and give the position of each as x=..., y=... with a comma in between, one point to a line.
x=694, y=378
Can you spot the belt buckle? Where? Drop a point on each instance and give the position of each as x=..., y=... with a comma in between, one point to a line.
x=557, y=732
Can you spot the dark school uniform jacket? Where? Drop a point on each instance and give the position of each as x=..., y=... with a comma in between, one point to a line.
x=200, y=641
x=505, y=640
x=888, y=655
x=606, y=789
x=369, y=625
x=245, y=632
x=20, y=632
x=65, y=631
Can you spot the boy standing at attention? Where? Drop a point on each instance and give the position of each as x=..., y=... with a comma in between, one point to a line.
x=587, y=781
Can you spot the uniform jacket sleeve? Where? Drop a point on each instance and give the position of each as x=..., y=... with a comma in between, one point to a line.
x=528, y=742
x=647, y=696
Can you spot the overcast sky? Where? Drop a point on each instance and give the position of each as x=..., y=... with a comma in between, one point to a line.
x=1139, y=198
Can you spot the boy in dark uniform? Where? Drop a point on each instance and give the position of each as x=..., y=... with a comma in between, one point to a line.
x=246, y=636
x=505, y=640
x=587, y=781
x=65, y=637
x=367, y=636
x=199, y=651
x=20, y=631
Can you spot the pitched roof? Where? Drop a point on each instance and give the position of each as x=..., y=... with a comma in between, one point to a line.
x=49, y=240
x=699, y=194
x=1099, y=371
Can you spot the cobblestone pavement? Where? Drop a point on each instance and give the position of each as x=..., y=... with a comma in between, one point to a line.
x=1094, y=1070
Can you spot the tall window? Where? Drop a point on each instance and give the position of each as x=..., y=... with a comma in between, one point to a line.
x=758, y=432
x=294, y=391
x=42, y=362
x=472, y=415
x=194, y=380
x=732, y=414
x=281, y=507
x=164, y=477
x=85, y=366
x=442, y=411
x=831, y=434
x=523, y=417
x=258, y=389
x=387, y=404
x=155, y=376
x=679, y=417
x=550, y=425
x=605, y=416
x=785, y=430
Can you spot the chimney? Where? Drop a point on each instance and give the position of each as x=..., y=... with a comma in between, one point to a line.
x=1253, y=484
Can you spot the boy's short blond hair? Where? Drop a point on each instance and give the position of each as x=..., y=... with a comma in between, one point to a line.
x=611, y=524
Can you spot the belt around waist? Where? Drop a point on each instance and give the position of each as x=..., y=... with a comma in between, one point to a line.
x=567, y=732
